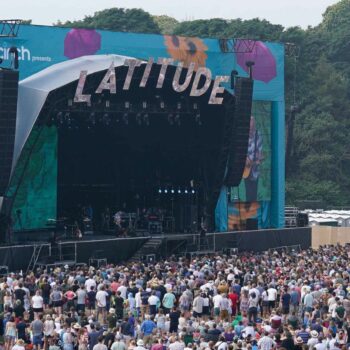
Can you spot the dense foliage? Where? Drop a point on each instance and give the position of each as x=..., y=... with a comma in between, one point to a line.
x=317, y=88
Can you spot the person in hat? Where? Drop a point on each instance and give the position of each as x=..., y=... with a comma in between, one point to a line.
x=140, y=345
x=20, y=345
x=298, y=344
x=313, y=340
x=112, y=318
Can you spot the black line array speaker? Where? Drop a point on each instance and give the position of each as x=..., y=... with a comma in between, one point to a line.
x=8, y=112
x=240, y=131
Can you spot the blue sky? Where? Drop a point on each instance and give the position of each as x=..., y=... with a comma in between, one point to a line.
x=285, y=12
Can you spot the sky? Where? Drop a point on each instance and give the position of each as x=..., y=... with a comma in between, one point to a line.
x=286, y=12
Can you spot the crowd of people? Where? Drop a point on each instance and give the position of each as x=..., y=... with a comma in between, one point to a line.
x=274, y=300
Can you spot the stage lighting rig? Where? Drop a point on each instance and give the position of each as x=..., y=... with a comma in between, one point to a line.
x=9, y=27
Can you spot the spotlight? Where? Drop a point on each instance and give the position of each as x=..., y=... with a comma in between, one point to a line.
x=186, y=191
x=165, y=191
x=160, y=190
x=126, y=118
x=198, y=119
x=60, y=117
x=172, y=191
x=177, y=119
x=138, y=118
x=171, y=119
x=146, y=119
x=193, y=191
x=179, y=191
x=106, y=120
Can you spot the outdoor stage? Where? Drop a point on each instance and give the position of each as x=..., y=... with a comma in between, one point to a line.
x=118, y=250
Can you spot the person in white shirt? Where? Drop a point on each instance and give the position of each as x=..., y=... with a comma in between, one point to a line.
x=123, y=290
x=101, y=298
x=216, y=301
x=266, y=342
x=153, y=302
x=272, y=296
x=198, y=304
x=90, y=282
x=37, y=303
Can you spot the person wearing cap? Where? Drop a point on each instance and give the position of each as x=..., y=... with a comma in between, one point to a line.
x=112, y=318
x=118, y=344
x=20, y=345
x=313, y=340
x=140, y=345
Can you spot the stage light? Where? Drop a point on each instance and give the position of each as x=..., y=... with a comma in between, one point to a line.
x=171, y=119
x=179, y=191
x=126, y=118
x=165, y=191
x=144, y=104
x=127, y=104
x=146, y=119
x=138, y=118
x=159, y=191
x=193, y=191
x=172, y=191
x=186, y=191
x=177, y=119
x=92, y=118
x=106, y=119
x=198, y=119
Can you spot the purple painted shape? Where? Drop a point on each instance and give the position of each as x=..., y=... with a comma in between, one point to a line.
x=265, y=62
x=81, y=42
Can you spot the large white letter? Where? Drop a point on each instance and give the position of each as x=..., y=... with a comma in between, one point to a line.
x=79, y=96
x=199, y=92
x=132, y=64
x=108, y=82
x=146, y=72
x=164, y=62
x=176, y=82
x=217, y=89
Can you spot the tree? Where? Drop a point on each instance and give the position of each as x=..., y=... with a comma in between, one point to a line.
x=166, y=24
x=118, y=19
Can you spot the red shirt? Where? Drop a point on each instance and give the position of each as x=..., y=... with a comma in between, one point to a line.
x=234, y=299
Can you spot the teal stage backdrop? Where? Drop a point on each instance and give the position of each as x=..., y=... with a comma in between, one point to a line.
x=261, y=192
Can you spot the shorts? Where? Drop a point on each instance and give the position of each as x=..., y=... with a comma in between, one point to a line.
x=57, y=303
x=197, y=314
x=265, y=303
x=206, y=310
x=224, y=314
x=216, y=311
x=285, y=310
x=37, y=339
x=39, y=309
x=272, y=303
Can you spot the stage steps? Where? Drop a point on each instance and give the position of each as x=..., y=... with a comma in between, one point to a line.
x=37, y=248
x=149, y=250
